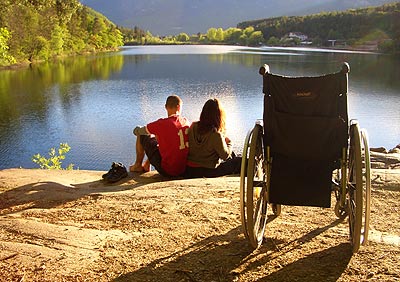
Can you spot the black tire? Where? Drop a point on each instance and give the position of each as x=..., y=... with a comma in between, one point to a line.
x=366, y=162
x=355, y=187
x=255, y=190
x=243, y=183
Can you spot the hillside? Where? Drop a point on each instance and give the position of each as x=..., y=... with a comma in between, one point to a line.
x=192, y=16
x=372, y=25
x=40, y=30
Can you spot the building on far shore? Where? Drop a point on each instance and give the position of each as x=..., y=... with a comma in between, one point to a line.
x=298, y=35
x=336, y=43
x=301, y=38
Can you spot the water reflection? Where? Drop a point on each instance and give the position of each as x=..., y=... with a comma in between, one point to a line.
x=36, y=85
x=93, y=102
x=36, y=104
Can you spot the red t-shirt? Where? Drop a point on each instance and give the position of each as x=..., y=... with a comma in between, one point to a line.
x=173, y=142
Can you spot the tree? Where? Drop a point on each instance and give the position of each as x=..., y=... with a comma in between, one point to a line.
x=211, y=34
x=99, y=26
x=219, y=35
x=66, y=9
x=243, y=39
x=387, y=46
x=256, y=38
x=232, y=35
x=182, y=37
x=116, y=39
x=57, y=40
x=248, y=31
x=40, y=48
x=334, y=34
x=5, y=57
x=273, y=41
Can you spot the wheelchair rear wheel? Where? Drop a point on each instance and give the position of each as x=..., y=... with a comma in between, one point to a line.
x=367, y=185
x=253, y=194
x=359, y=187
x=243, y=183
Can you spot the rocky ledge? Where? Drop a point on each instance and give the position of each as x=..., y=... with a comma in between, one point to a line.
x=386, y=159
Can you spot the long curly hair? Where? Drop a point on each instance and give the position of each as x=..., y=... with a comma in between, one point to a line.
x=212, y=117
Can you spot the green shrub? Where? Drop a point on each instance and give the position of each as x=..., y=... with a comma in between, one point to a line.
x=55, y=158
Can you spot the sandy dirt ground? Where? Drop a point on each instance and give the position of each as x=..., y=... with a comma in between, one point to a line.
x=71, y=226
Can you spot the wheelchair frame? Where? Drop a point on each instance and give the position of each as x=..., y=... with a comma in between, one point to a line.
x=352, y=184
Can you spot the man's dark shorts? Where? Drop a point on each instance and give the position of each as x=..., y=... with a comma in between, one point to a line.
x=150, y=146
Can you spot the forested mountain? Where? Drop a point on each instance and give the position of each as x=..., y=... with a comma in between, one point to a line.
x=373, y=25
x=40, y=29
x=372, y=29
x=171, y=17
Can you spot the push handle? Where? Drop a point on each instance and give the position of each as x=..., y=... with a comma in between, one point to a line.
x=345, y=68
x=264, y=69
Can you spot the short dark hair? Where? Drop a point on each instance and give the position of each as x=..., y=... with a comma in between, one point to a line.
x=173, y=101
x=212, y=117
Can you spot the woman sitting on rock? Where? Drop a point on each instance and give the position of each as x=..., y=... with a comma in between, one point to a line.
x=210, y=151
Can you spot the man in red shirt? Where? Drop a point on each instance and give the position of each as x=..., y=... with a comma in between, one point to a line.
x=168, y=150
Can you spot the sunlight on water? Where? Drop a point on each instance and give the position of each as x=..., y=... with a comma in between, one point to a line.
x=179, y=49
x=311, y=49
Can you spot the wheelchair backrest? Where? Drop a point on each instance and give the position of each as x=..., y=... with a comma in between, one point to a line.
x=306, y=117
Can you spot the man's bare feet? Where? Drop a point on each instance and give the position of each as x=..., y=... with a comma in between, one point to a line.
x=146, y=165
x=140, y=168
x=136, y=168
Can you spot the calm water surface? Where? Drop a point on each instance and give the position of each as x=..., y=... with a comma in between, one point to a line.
x=93, y=103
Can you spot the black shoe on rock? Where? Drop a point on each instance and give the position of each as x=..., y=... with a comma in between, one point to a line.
x=116, y=173
x=113, y=166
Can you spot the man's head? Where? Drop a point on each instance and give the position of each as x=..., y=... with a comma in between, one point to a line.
x=173, y=105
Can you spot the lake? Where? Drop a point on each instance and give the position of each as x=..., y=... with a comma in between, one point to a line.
x=93, y=102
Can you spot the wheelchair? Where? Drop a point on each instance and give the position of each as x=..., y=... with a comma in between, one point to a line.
x=304, y=150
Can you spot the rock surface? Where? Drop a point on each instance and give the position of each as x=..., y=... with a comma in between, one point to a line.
x=70, y=226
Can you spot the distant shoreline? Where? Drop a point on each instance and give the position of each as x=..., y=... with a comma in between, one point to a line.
x=348, y=48
x=25, y=64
